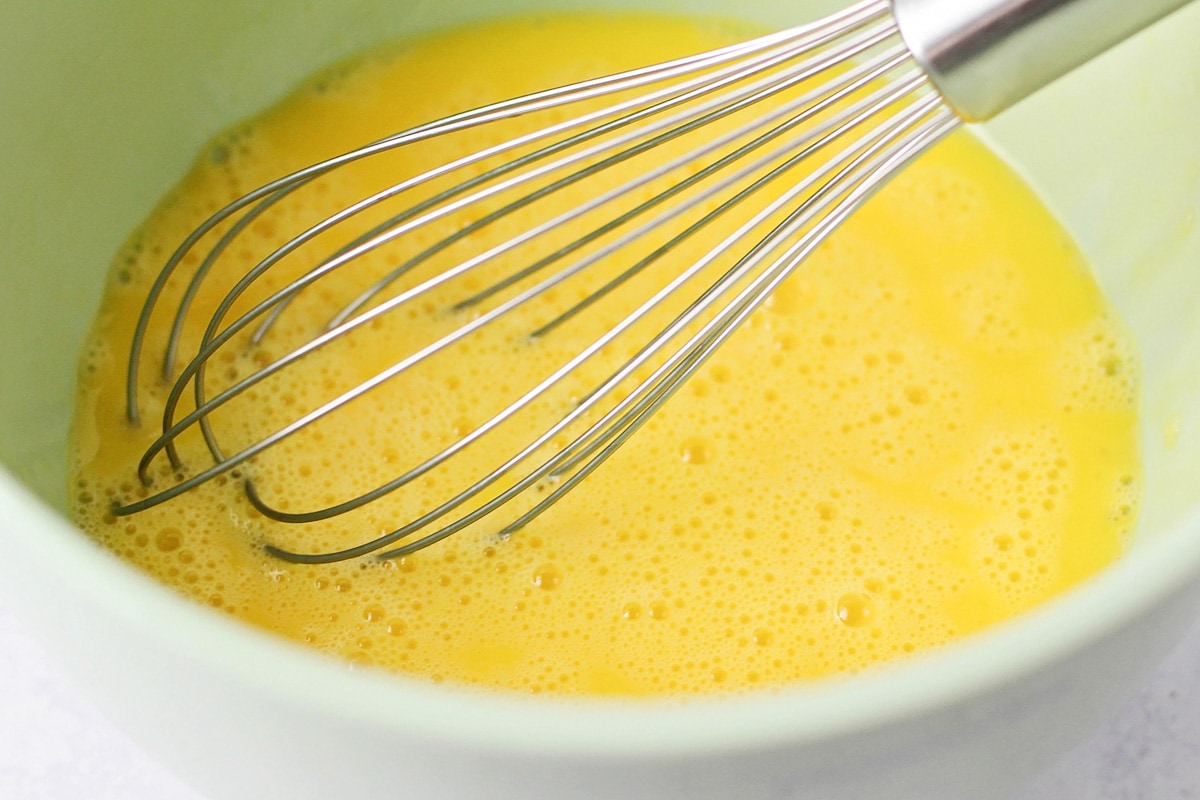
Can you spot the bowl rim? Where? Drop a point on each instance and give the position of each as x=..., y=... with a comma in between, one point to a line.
x=604, y=727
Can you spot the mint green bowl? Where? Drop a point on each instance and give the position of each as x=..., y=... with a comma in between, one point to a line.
x=102, y=105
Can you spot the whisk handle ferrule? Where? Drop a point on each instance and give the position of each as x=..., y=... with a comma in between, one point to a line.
x=985, y=55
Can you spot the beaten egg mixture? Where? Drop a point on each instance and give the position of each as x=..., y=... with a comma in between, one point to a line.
x=929, y=428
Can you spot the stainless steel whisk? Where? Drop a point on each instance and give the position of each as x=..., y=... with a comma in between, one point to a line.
x=883, y=80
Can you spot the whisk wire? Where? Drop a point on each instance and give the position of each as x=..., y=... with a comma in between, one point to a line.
x=631, y=412
x=839, y=146
x=799, y=39
x=193, y=372
x=634, y=142
x=655, y=391
x=711, y=111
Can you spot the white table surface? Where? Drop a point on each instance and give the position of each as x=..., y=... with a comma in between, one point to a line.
x=54, y=745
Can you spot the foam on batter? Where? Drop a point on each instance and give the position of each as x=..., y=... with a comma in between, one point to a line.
x=928, y=429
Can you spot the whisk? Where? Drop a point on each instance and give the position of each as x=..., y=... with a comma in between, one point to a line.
x=872, y=87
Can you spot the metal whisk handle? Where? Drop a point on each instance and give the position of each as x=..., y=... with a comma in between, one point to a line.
x=985, y=55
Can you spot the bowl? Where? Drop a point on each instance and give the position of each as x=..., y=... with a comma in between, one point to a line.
x=102, y=110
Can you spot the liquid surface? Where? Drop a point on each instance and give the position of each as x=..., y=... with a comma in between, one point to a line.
x=928, y=429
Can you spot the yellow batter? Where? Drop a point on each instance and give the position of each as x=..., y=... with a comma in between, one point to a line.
x=926, y=430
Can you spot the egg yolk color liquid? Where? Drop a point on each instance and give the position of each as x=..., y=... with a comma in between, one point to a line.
x=928, y=428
